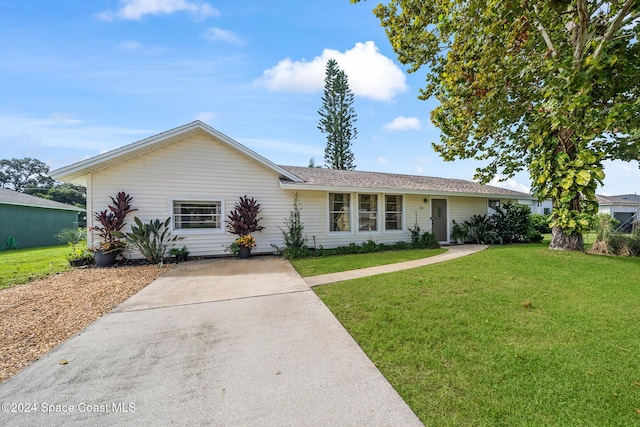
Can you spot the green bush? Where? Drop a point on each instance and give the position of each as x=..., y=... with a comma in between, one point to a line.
x=512, y=222
x=611, y=242
x=540, y=223
x=480, y=230
x=79, y=251
x=624, y=244
x=426, y=241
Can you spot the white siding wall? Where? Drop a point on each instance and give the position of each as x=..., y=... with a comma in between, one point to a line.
x=315, y=218
x=613, y=209
x=463, y=208
x=201, y=168
x=198, y=168
x=605, y=210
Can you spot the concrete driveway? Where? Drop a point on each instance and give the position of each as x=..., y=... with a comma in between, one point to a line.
x=222, y=342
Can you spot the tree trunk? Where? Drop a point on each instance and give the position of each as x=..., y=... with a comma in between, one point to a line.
x=566, y=242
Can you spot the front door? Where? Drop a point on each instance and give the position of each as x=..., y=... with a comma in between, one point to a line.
x=439, y=219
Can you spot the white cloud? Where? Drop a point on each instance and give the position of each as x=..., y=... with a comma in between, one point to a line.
x=62, y=119
x=403, y=123
x=207, y=116
x=422, y=161
x=137, y=9
x=214, y=34
x=278, y=146
x=60, y=139
x=130, y=45
x=137, y=48
x=383, y=161
x=371, y=74
x=510, y=184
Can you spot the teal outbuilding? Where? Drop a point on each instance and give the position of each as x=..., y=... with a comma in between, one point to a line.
x=33, y=221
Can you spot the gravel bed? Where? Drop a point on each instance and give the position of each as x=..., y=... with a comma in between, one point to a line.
x=38, y=316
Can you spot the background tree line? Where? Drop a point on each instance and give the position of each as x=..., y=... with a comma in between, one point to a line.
x=31, y=176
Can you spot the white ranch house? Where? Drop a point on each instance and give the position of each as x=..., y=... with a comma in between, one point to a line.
x=195, y=175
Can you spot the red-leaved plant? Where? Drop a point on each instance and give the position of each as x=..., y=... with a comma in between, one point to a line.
x=243, y=220
x=112, y=220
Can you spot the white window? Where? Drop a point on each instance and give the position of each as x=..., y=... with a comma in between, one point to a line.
x=367, y=212
x=393, y=213
x=339, y=212
x=197, y=215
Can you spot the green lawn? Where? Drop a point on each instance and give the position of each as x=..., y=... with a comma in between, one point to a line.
x=24, y=265
x=514, y=335
x=332, y=264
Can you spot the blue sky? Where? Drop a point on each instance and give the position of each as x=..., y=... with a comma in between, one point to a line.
x=80, y=78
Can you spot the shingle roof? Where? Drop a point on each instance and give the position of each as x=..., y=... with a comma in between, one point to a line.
x=624, y=199
x=10, y=197
x=332, y=178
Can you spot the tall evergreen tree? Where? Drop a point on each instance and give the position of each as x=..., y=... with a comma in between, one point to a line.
x=337, y=118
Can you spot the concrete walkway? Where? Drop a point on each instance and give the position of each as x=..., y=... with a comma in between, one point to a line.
x=212, y=343
x=453, y=252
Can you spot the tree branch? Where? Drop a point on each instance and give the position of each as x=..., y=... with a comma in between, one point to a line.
x=615, y=26
x=545, y=34
x=582, y=32
x=630, y=19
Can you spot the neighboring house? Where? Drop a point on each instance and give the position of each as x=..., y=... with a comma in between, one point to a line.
x=195, y=175
x=542, y=207
x=33, y=221
x=625, y=208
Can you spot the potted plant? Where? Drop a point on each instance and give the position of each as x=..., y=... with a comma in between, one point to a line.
x=242, y=246
x=243, y=221
x=180, y=255
x=459, y=232
x=80, y=254
x=111, y=222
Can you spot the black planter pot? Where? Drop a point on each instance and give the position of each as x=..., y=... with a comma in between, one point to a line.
x=78, y=262
x=105, y=260
x=181, y=258
x=244, y=253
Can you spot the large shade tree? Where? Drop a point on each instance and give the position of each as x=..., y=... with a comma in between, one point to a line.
x=20, y=174
x=551, y=86
x=31, y=176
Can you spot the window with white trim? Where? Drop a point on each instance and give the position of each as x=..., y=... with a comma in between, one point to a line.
x=392, y=212
x=367, y=212
x=339, y=212
x=197, y=215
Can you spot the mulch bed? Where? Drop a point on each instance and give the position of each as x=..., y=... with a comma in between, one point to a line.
x=38, y=316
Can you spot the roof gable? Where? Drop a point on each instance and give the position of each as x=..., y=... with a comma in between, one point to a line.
x=10, y=197
x=139, y=148
x=321, y=178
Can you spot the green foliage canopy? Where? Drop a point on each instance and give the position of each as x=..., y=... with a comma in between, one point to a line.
x=19, y=174
x=551, y=86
